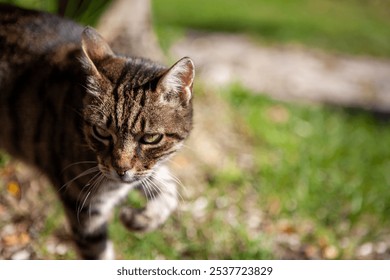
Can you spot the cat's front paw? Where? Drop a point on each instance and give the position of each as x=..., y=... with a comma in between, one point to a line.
x=138, y=220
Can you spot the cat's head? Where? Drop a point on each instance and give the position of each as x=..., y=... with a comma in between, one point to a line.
x=137, y=113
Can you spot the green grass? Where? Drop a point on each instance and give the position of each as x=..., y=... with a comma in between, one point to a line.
x=3, y=159
x=323, y=164
x=350, y=26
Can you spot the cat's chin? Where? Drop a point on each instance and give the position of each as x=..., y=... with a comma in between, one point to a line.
x=125, y=179
x=122, y=180
x=128, y=181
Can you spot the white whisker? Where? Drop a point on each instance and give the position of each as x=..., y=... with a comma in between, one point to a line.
x=99, y=181
x=155, y=186
x=165, y=184
x=82, y=206
x=82, y=174
x=89, y=186
x=177, y=181
x=147, y=189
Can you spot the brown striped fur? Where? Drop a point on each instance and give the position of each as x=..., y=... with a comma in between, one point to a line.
x=96, y=123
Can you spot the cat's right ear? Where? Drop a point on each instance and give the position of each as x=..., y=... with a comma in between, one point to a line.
x=176, y=83
x=95, y=49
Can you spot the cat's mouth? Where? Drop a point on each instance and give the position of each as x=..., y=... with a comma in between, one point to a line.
x=127, y=176
x=122, y=178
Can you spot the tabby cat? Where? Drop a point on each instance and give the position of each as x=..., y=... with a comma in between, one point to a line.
x=96, y=123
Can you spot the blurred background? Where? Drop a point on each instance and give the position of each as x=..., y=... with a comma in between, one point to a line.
x=289, y=157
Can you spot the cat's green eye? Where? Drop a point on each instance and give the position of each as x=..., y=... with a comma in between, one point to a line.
x=100, y=133
x=151, y=139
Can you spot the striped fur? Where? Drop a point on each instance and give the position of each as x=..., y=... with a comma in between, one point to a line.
x=97, y=124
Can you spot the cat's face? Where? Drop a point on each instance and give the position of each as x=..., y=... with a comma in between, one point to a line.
x=136, y=114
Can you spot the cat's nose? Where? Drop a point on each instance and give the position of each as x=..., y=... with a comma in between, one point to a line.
x=125, y=175
x=122, y=172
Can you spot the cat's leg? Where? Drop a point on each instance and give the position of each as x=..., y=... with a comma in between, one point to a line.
x=161, y=193
x=88, y=212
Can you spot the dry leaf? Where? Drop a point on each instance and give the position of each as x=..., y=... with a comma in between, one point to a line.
x=16, y=239
x=14, y=189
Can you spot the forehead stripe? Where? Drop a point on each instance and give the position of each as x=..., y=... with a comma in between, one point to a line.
x=124, y=71
x=141, y=101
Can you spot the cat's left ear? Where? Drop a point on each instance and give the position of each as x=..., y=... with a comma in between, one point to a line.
x=94, y=48
x=176, y=83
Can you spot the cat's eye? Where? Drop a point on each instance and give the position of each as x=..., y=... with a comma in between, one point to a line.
x=101, y=133
x=151, y=139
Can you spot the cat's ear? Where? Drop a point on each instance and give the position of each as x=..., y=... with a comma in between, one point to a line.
x=94, y=48
x=176, y=83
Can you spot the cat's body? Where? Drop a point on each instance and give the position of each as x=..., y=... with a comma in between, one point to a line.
x=97, y=124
